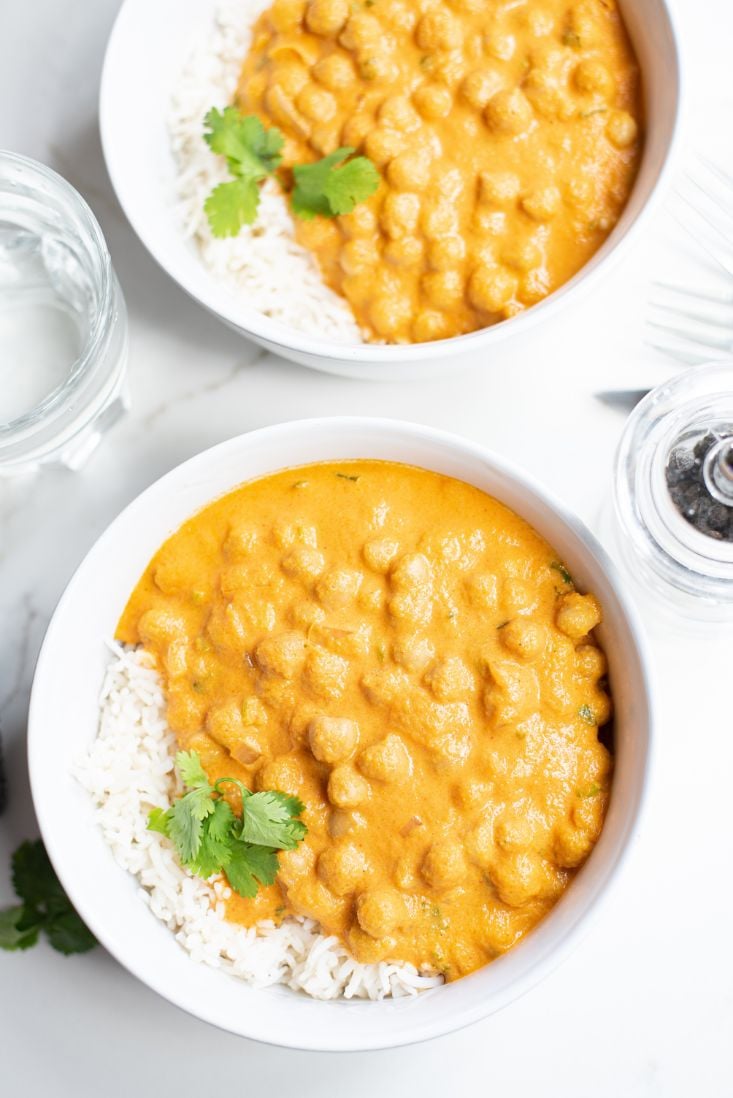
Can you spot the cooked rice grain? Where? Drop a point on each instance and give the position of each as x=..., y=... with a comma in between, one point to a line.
x=128, y=770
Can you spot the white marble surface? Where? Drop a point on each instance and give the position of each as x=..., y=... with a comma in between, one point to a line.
x=645, y=1006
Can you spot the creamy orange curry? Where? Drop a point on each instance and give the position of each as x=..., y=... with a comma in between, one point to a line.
x=507, y=133
x=411, y=659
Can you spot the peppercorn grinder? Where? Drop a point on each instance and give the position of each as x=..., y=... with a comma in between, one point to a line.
x=673, y=494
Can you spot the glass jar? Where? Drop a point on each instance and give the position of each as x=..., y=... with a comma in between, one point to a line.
x=673, y=494
x=63, y=323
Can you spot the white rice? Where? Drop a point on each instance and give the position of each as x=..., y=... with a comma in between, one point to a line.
x=264, y=265
x=128, y=770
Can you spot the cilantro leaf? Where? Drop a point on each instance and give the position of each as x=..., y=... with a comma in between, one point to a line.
x=186, y=823
x=329, y=186
x=13, y=933
x=68, y=934
x=232, y=205
x=252, y=153
x=214, y=852
x=45, y=906
x=159, y=819
x=268, y=820
x=192, y=772
x=248, y=865
x=33, y=876
x=586, y=714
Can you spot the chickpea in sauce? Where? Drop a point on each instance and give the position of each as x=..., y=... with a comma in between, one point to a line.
x=508, y=138
x=410, y=658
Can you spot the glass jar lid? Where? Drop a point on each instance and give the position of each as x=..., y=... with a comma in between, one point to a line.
x=674, y=487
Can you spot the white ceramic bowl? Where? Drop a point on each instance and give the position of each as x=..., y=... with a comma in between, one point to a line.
x=64, y=711
x=148, y=46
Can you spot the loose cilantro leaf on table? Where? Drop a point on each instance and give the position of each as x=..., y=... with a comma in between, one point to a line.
x=44, y=907
x=252, y=153
x=209, y=838
x=333, y=185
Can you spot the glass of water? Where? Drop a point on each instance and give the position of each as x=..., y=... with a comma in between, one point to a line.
x=63, y=323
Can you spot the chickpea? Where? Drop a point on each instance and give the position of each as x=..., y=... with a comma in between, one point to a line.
x=433, y=101
x=290, y=76
x=283, y=654
x=501, y=46
x=400, y=213
x=346, y=788
x=343, y=868
x=571, y=845
x=478, y=88
x=304, y=614
x=582, y=26
x=405, y=252
x=483, y=591
x=480, y=845
x=333, y=739
x=590, y=662
x=446, y=252
x=517, y=877
x=303, y=562
x=339, y=587
x=409, y=171
x=513, y=831
x=285, y=15
x=439, y=219
x=326, y=17
x=381, y=911
x=389, y=314
x=491, y=289
x=439, y=30
x=342, y=823
x=430, y=324
x=383, y=144
x=161, y=626
x=414, y=652
x=355, y=131
x=286, y=534
x=380, y=552
x=445, y=864
x=360, y=222
x=316, y=103
x=525, y=637
x=254, y=712
x=577, y=614
x=522, y=255
x=377, y=67
x=542, y=204
x=326, y=673
x=398, y=113
x=443, y=288
x=508, y=112
x=240, y=542
x=450, y=679
x=386, y=761
x=335, y=71
x=362, y=31
x=518, y=597
x=358, y=256
x=284, y=774
x=498, y=188
x=281, y=107
x=593, y=76
x=225, y=725
x=185, y=709
x=412, y=570
x=176, y=658
x=621, y=129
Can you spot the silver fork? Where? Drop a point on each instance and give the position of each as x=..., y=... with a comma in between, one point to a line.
x=686, y=322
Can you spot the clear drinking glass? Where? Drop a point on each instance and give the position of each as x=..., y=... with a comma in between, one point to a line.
x=63, y=323
x=673, y=495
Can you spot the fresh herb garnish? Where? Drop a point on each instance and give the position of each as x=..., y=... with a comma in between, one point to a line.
x=348, y=476
x=586, y=714
x=252, y=153
x=209, y=838
x=333, y=185
x=591, y=791
x=564, y=574
x=44, y=907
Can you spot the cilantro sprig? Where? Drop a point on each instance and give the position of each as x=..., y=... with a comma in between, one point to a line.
x=333, y=185
x=209, y=838
x=327, y=187
x=44, y=907
x=252, y=153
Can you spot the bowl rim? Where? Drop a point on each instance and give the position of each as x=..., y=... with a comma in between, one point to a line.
x=577, y=926
x=291, y=341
